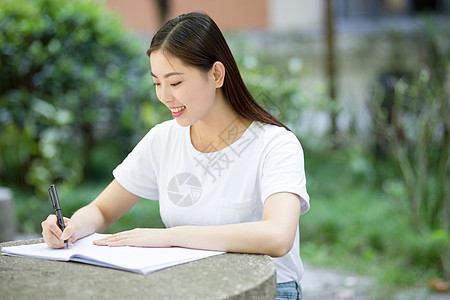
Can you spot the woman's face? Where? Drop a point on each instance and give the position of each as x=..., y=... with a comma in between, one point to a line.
x=188, y=92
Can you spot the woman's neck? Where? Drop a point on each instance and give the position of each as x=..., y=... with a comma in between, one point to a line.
x=221, y=128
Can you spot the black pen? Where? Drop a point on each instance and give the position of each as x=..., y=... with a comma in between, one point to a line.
x=57, y=207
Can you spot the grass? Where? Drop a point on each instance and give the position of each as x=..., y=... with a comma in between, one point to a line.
x=355, y=225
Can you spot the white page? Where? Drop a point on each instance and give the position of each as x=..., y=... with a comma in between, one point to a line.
x=134, y=259
x=45, y=252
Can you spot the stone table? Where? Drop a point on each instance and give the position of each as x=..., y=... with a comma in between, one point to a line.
x=226, y=276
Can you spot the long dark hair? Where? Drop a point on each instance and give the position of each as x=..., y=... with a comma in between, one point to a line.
x=197, y=41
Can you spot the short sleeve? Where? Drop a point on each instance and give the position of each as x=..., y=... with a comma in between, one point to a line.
x=283, y=169
x=137, y=173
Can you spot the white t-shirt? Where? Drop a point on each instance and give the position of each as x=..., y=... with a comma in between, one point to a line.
x=222, y=187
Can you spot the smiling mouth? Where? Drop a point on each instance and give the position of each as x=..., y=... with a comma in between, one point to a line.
x=177, y=109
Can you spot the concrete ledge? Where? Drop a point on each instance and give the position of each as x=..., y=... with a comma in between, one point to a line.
x=227, y=276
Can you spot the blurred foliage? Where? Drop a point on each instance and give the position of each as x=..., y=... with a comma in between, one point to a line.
x=411, y=145
x=355, y=226
x=274, y=82
x=70, y=79
x=380, y=202
x=411, y=110
x=30, y=211
x=274, y=85
x=417, y=138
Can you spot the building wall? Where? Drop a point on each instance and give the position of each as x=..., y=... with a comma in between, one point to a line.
x=229, y=15
x=143, y=15
x=137, y=15
x=303, y=15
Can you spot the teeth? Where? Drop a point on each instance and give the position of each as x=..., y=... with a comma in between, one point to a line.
x=178, y=109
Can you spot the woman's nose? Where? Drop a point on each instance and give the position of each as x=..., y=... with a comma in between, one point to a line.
x=165, y=96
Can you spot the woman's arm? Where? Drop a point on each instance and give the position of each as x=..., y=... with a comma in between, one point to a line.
x=274, y=235
x=109, y=206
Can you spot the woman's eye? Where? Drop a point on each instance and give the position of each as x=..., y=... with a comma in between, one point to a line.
x=156, y=83
x=175, y=84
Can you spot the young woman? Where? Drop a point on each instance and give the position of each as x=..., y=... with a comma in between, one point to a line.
x=227, y=174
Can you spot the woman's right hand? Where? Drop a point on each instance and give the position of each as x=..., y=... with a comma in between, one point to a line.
x=109, y=206
x=54, y=237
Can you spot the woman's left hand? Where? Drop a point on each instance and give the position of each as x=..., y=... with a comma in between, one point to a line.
x=138, y=237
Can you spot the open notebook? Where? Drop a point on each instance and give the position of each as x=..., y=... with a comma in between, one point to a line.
x=133, y=259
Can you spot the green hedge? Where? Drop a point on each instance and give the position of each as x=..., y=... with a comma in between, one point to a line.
x=70, y=79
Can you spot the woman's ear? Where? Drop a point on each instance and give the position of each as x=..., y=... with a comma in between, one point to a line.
x=218, y=73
